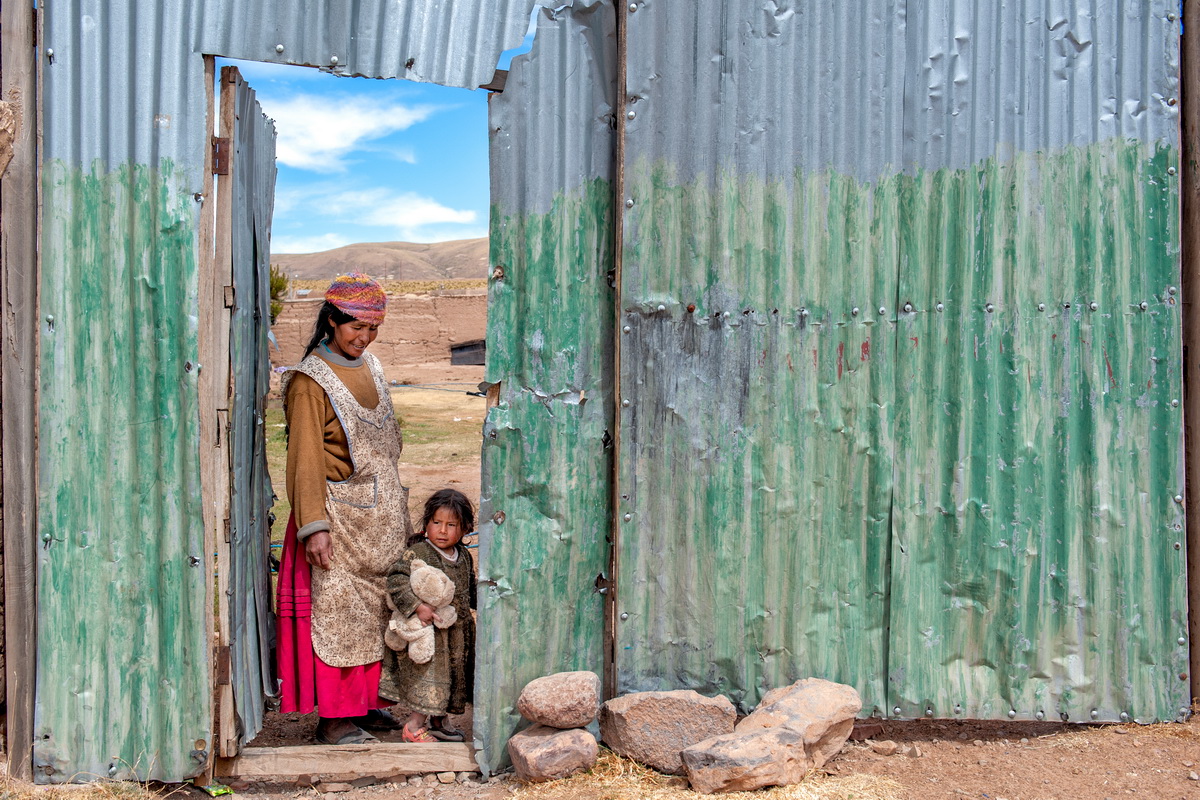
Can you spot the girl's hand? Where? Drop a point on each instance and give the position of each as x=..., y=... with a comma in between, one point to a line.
x=427, y=614
x=318, y=549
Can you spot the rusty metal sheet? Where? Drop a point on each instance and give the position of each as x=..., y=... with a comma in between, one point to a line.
x=546, y=459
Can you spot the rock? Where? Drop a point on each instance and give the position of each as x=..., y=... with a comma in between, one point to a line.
x=330, y=788
x=884, y=747
x=563, y=700
x=653, y=727
x=913, y=751
x=466, y=777
x=542, y=753
x=445, y=777
x=1192, y=776
x=794, y=730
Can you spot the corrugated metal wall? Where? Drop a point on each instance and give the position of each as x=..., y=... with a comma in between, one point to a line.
x=791, y=197
x=250, y=604
x=547, y=465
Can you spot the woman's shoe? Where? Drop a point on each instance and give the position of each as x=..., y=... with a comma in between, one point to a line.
x=355, y=735
x=445, y=733
x=377, y=719
x=421, y=736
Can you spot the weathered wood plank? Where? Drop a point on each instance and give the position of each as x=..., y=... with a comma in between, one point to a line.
x=19, y=368
x=348, y=762
x=1190, y=241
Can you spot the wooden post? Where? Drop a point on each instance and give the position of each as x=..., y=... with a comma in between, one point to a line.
x=19, y=227
x=1190, y=241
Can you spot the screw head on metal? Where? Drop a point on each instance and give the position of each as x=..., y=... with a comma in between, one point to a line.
x=278, y=48
x=50, y=318
x=854, y=311
x=725, y=315
x=47, y=536
x=908, y=307
x=629, y=202
x=1179, y=498
x=630, y=114
x=939, y=307
x=1171, y=170
x=1093, y=306
x=929, y=712
x=1143, y=305
x=804, y=312
x=989, y=308
x=1095, y=713
x=1012, y=713
x=1041, y=306
x=1181, y=640
x=1171, y=16
x=1172, y=101
x=896, y=710
x=626, y=329
x=624, y=615
x=625, y=404
x=1174, y=404
x=1124, y=716
x=632, y=7
x=882, y=311
x=1171, y=290
x=628, y=517
x=1040, y=715
x=498, y=518
x=1178, y=545
x=661, y=307
x=49, y=52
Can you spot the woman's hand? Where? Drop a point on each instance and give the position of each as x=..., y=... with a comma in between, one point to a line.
x=427, y=614
x=318, y=549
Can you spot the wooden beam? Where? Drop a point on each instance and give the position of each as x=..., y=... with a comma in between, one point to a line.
x=496, y=84
x=347, y=762
x=19, y=226
x=1190, y=283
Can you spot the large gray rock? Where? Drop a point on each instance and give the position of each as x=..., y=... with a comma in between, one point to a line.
x=542, y=753
x=652, y=727
x=563, y=700
x=794, y=730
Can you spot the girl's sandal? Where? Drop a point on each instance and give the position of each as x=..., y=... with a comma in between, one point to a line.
x=420, y=737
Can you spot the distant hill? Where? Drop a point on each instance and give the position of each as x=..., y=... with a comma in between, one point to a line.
x=399, y=261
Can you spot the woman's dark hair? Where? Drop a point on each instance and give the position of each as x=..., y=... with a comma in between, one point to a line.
x=327, y=317
x=454, y=501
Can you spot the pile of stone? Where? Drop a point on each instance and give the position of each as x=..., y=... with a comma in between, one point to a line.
x=560, y=706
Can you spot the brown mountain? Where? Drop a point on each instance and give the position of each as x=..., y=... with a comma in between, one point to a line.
x=400, y=261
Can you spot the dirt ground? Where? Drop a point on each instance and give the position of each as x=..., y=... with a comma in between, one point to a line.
x=945, y=759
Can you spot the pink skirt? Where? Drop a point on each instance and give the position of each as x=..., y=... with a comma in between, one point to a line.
x=306, y=681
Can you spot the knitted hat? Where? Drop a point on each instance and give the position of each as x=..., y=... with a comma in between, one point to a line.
x=358, y=296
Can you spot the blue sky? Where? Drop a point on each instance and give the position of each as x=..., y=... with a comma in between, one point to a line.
x=364, y=160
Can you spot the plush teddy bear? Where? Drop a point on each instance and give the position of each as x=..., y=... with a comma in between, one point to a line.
x=434, y=588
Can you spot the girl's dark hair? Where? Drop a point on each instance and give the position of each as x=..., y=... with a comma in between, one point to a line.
x=452, y=500
x=327, y=317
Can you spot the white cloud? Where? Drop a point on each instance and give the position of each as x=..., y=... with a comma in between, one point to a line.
x=317, y=133
x=308, y=244
x=412, y=217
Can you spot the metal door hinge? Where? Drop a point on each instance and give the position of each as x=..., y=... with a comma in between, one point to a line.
x=221, y=151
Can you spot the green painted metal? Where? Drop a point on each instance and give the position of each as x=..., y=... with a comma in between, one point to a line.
x=123, y=688
x=757, y=443
x=547, y=469
x=1039, y=566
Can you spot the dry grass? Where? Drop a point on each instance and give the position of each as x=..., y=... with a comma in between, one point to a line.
x=13, y=789
x=405, y=287
x=617, y=778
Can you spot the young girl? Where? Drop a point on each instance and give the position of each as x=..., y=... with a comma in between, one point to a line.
x=444, y=685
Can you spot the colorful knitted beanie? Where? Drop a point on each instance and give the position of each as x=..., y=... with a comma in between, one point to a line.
x=358, y=296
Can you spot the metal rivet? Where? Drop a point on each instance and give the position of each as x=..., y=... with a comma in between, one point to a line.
x=1179, y=498
x=908, y=307
x=1171, y=290
x=630, y=114
x=725, y=315
x=49, y=52
x=498, y=518
x=1172, y=101
x=854, y=311
x=1095, y=713
x=632, y=7
x=1178, y=545
x=626, y=329
x=1124, y=716
x=1171, y=16
x=896, y=710
x=1181, y=640
x=625, y=404
x=50, y=318
x=628, y=517
x=624, y=615
x=1171, y=170
x=629, y=202
x=661, y=307
x=1040, y=715
x=1012, y=713
x=804, y=312
x=47, y=536
x=940, y=307
x=989, y=308
x=1093, y=306
x=929, y=712
x=1174, y=404
x=882, y=311
x=278, y=48
x=333, y=59
x=1041, y=306
x=1143, y=306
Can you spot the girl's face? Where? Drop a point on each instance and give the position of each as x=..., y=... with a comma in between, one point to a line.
x=350, y=339
x=445, y=529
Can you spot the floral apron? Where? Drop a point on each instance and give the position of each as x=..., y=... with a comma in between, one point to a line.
x=368, y=523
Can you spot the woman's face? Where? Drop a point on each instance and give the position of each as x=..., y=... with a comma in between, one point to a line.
x=350, y=339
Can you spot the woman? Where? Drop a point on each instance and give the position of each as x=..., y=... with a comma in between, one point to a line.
x=349, y=519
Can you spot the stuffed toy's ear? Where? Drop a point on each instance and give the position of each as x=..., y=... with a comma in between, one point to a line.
x=417, y=564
